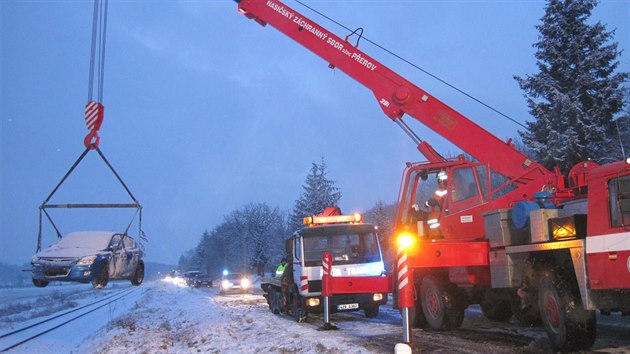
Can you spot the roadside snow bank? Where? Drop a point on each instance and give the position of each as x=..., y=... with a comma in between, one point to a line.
x=172, y=319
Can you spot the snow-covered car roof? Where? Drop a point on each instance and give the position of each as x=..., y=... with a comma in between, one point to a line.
x=80, y=243
x=86, y=239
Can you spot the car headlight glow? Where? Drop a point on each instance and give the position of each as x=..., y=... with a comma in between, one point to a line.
x=87, y=260
x=245, y=283
x=34, y=259
x=225, y=284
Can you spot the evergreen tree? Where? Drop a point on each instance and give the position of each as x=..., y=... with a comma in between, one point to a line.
x=577, y=94
x=319, y=192
x=185, y=262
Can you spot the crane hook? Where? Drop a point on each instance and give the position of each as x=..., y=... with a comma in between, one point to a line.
x=94, y=114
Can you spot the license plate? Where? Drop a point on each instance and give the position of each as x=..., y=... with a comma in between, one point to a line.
x=348, y=307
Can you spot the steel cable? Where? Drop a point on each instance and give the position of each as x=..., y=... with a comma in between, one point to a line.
x=416, y=66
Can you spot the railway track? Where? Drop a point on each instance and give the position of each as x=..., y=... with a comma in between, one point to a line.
x=15, y=338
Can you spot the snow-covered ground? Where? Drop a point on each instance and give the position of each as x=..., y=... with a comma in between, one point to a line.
x=24, y=307
x=167, y=318
x=184, y=320
x=162, y=317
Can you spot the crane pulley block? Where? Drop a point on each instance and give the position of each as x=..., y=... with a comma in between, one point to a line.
x=94, y=114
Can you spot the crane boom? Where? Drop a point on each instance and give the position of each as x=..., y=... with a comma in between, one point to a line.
x=396, y=95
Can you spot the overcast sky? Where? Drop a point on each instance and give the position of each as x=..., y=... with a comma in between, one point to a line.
x=206, y=111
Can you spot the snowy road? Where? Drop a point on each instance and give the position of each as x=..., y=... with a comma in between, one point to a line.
x=165, y=318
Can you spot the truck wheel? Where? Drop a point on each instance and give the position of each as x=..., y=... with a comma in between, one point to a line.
x=440, y=304
x=416, y=315
x=525, y=299
x=495, y=307
x=569, y=326
x=527, y=315
x=138, y=275
x=274, y=301
x=299, y=313
x=102, y=277
x=40, y=283
x=371, y=312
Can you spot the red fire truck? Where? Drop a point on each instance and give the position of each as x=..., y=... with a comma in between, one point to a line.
x=501, y=231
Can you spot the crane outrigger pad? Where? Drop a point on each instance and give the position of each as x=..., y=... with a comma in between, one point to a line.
x=135, y=205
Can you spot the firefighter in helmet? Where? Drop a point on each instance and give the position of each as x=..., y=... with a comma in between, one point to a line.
x=435, y=205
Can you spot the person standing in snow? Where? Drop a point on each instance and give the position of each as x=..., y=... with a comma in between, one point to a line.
x=280, y=269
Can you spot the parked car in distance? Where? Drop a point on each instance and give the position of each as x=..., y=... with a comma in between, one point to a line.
x=235, y=282
x=202, y=281
x=90, y=256
x=190, y=275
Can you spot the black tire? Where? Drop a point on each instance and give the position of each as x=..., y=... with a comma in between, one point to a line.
x=525, y=299
x=526, y=314
x=102, y=277
x=40, y=283
x=371, y=312
x=416, y=316
x=569, y=326
x=495, y=306
x=275, y=301
x=138, y=275
x=297, y=309
x=441, y=304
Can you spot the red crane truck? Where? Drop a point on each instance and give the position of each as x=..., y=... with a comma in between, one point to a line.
x=501, y=231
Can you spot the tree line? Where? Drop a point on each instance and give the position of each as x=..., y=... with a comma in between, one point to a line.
x=251, y=239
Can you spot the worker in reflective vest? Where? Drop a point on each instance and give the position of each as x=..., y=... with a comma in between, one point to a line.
x=280, y=269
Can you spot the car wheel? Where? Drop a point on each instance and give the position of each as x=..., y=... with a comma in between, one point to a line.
x=371, y=312
x=138, y=276
x=568, y=325
x=40, y=283
x=102, y=277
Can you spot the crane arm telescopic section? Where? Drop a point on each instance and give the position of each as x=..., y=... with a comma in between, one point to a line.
x=395, y=95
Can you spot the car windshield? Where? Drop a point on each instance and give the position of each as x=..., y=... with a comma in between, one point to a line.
x=233, y=276
x=93, y=240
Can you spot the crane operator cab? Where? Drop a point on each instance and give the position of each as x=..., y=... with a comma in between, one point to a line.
x=437, y=195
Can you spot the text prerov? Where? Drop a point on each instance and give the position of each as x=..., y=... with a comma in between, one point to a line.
x=321, y=34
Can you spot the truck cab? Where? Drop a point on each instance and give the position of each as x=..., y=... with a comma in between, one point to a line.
x=355, y=251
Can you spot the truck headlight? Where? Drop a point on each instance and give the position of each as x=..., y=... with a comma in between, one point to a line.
x=377, y=297
x=312, y=302
x=87, y=260
x=225, y=284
